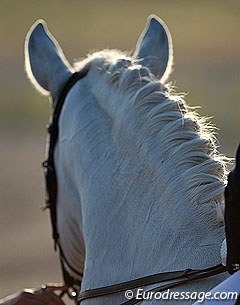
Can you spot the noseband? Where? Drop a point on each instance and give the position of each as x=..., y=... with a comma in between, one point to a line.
x=175, y=278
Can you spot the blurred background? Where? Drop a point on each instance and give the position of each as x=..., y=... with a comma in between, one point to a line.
x=207, y=66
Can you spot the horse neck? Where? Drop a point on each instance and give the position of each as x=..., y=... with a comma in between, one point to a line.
x=129, y=219
x=132, y=221
x=132, y=227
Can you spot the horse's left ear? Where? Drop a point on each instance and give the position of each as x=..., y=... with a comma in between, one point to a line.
x=45, y=62
x=154, y=48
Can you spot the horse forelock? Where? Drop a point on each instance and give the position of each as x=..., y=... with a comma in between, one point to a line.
x=179, y=134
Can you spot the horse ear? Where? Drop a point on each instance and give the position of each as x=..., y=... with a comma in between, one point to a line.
x=154, y=48
x=45, y=63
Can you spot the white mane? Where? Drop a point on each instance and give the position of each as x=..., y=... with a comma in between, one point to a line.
x=186, y=139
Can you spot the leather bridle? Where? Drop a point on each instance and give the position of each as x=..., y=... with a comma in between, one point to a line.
x=51, y=181
x=175, y=278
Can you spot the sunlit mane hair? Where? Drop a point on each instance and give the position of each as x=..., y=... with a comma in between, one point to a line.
x=187, y=140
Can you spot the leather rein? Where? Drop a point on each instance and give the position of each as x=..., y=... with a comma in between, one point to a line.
x=176, y=278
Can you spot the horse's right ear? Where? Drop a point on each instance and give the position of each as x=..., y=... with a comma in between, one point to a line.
x=154, y=48
x=45, y=63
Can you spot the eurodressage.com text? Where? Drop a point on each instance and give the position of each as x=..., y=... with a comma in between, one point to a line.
x=184, y=295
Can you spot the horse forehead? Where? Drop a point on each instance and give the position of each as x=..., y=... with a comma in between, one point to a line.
x=102, y=59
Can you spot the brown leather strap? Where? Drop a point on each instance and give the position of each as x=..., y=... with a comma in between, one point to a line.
x=178, y=278
x=51, y=177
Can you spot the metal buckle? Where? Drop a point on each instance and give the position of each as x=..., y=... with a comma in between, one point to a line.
x=235, y=267
x=71, y=293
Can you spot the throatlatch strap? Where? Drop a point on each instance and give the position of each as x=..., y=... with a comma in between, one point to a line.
x=49, y=166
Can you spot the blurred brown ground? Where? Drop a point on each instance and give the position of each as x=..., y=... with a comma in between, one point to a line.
x=207, y=66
